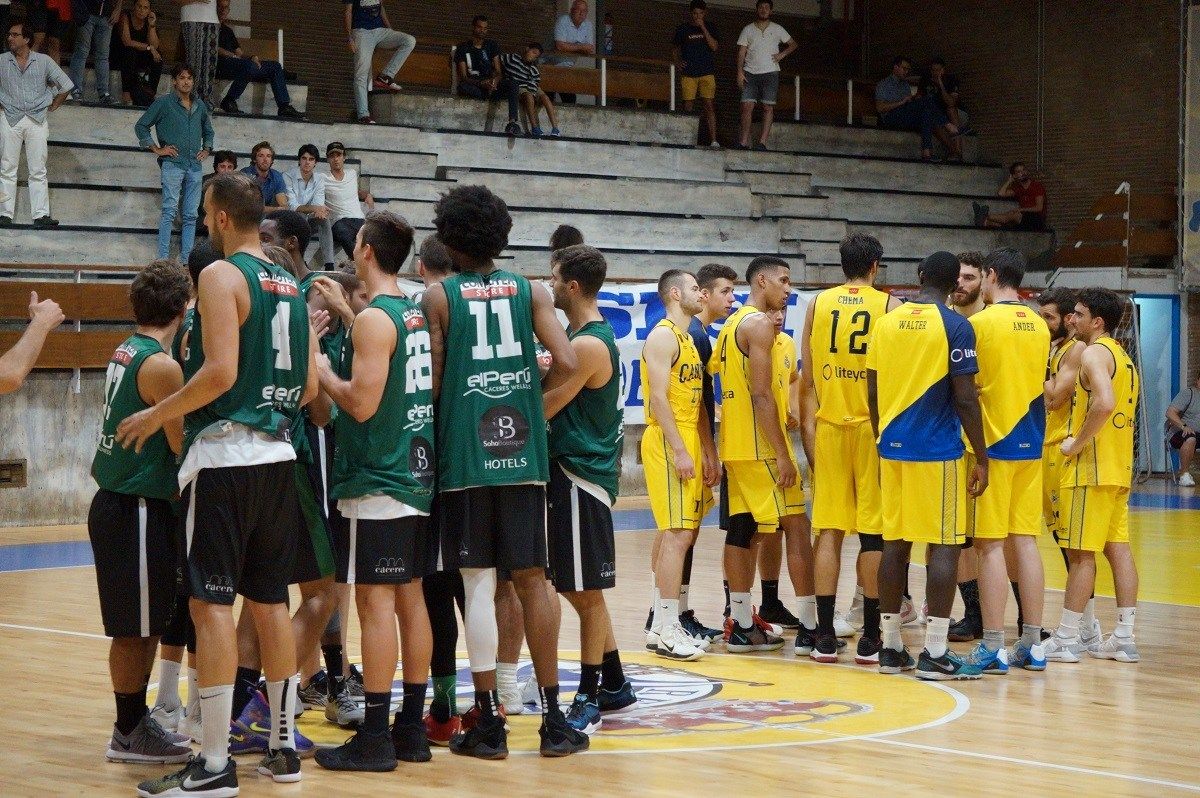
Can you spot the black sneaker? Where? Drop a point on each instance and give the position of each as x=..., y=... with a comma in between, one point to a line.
x=512, y=129
x=193, y=779
x=696, y=629
x=558, y=738
x=980, y=212
x=806, y=641
x=288, y=112
x=777, y=613
x=893, y=661
x=741, y=640
x=283, y=765
x=411, y=742
x=6, y=221
x=868, y=651
x=231, y=107
x=45, y=221
x=825, y=650
x=616, y=700
x=966, y=630
x=367, y=752
x=760, y=147
x=487, y=740
x=948, y=667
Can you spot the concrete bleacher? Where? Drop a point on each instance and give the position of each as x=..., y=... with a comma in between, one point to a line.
x=257, y=99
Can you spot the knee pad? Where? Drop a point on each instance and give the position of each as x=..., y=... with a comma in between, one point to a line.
x=870, y=543
x=741, y=530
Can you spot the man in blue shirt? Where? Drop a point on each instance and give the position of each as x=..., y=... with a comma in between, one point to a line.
x=900, y=107
x=185, y=138
x=368, y=27
x=274, y=189
x=692, y=50
x=574, y=34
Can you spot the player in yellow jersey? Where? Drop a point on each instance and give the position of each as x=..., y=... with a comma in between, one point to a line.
x=1012, y=342
x=837, y=435
x=673, y=458
x=1096, y=478
x=1058, y=310
x=921, y=394
x=763, y=481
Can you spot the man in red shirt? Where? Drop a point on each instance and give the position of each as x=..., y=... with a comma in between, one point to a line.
x=1030, y=194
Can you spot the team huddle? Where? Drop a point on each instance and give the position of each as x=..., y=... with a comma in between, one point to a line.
x=266, y=426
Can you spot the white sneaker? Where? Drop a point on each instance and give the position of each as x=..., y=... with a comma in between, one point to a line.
x=191, y=725
x=1060, y=649
x=855, y=616
x=923, y=616
x=842, y=627
x=908, y=613
x=343, y=710
x=167, y=718
x=1121, y=649
x=714, y=144
x=1186, y=481
x=531, y=696
x=702, y=643
x=1092, y=637
x=674, y=643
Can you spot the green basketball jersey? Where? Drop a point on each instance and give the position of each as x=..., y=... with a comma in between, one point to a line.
x=490, y=423
x=185, y=327
x=272, y=357
x=586, y=436
x=391, y=453
x=152, y=472
x=331, y=342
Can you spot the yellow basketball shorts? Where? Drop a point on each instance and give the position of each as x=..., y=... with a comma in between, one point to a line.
x=705, y=86
x=676, y=504
x=1012, y=502
x=752, y=489
x=1093, y=516
x=1052, y=466
x=845, y=482
x=924, y=502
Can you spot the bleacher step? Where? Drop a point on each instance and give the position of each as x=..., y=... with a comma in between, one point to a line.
x=870, y=141
x=913, y=208
x=256, y=99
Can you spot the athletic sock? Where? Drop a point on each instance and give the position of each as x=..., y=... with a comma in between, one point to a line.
x=1068, y=627
x=506, y=677
x=890, y=630
x=281, y=698
x=936, y=632
x=612, y=675
x=806, y=612
x=1088, y=621
x=970, y=597
x=1125, y=618
x=193, y=704
x=487, y=701
x=907, y=580
x=1016, y=591
x=870, y=618
x=333, y=659
x=666, y=612
x=214, y=740
x=168, y=683
x=770, y=592
x=589, y=679
x=725, y=583
x=375, y=712
x=245, y=686
x=654, y=597
x=687, y=566
x=445, y=698
x=1031, y=635
x=824, y=615
x=741, y=609
x=131, y=708
x=683, y=598
x=549, y=699
x=412, y=705
x=993, y=639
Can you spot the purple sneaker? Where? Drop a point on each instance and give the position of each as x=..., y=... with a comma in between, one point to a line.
x=251, y=732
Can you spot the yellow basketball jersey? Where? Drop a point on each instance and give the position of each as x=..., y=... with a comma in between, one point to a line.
x=1108, y=458
x=783, y=366
x=841, y=329
x=1056, y=420
x=686, y=383
x=1013, y=343
x=739, y=437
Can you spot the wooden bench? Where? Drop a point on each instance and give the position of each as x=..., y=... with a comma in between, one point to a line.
x=1119, y=228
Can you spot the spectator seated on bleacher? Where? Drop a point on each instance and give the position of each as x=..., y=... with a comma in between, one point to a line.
x=1030, y=194
x=240, y=69
x=224, y=161
x=943, y=88
x=574, y=34
x=138, y=57
x=477, y=64
x=902, y=107
x=269, y=180
x=523, y=71
x=306, y=196
x=344, y=199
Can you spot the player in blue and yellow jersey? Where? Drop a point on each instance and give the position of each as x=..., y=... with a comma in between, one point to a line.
x=838, y=435
x=1096, y=477
x=921, y=394
x=1013, y=343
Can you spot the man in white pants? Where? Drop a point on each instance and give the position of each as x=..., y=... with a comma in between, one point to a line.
x=368, y=27
x=31, y=85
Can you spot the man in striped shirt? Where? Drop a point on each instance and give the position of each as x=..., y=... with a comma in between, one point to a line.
x=523, y=71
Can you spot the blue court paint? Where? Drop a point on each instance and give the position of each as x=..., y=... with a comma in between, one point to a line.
x=31, y=556
x=1164, y=501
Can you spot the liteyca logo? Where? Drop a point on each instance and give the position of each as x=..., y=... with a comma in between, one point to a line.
x=499, y=384
x=219, y=583
x=391, y=565
x=959, y=355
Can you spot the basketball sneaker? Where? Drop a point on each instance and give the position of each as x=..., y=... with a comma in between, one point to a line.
x=510, y=696
x=767, y=626
x=806, y=641
x=993, y=663
x=855, y=616
x=966, y=630
x=559, y=738
x=251, y=732
x=778, y=614
x=673, y=643
x=316, y=694
x=354, y=683
x=741, y=640
x=195, y=780
x=825, y=650
x=343, y=710
x=893, y=661
x=923, y=615
x=282, y=765
x=1031, y=658
x=868, y=651
x=485, y=739
x=530, y=701
x=842, y=627
x=364, y=752
x=147, y=742
x=616, y=700
x=190, y=725
x=410, y=742
x=697, y=630
x=948, y=667
x=167, y=717
x=439, y=733
x=1121, y=649
x=1093, y=636
x=908, y=613
x=584, y=714
x=1063, y=649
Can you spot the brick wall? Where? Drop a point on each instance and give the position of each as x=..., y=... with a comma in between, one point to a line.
x=1111, y=86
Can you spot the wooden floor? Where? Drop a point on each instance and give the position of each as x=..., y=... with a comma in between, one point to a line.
x=739, y=725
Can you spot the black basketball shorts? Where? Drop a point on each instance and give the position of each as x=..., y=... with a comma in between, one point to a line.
x=501, y=527
x=388, y=551
x=582, y=551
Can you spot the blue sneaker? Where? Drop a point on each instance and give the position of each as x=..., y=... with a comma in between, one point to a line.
x=536, y=132
x=251, y=732
x=948, y=667
x=554, y=132
x=584, y=715
x=616, y=700
x=1031, y=658
x=993, y=663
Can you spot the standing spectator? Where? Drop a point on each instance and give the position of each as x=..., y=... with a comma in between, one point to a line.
x=901, y=107
x=523, y=71
x=368, y=27
x=183, y=127
x=306, y=196
x=758, y=58
x=692, y=50
x=240, y=70
x=1183, y=419
x=270, y=182
x=344, y=198
x=31, y=86
x=943, y=88
x=139, y=59
x=477, y=61
x=224, y=161
x=52, y=21
x=574, y=34
x=93, y=37
x=609, y=33
x=198, y=27
x=1030, y=194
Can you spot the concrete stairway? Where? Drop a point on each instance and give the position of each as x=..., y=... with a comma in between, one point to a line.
x=257, y=99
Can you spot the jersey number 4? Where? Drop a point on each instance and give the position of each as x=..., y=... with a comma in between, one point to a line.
x=509, y=346
x=858, y=335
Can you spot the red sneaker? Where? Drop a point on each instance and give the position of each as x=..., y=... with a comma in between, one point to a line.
x=440, y=733
x=470, y=719
x=384, y=83
x=366, y=120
